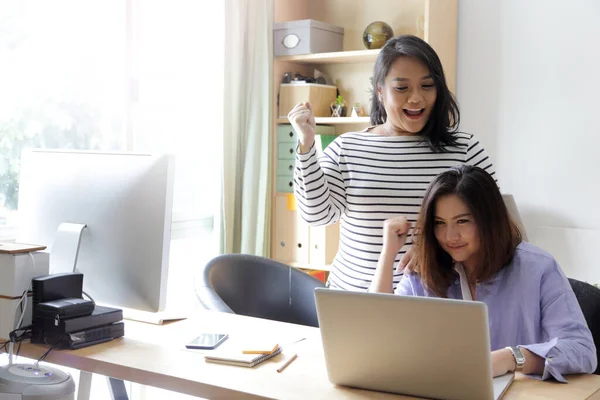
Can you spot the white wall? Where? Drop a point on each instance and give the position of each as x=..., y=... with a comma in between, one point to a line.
x=528, y=84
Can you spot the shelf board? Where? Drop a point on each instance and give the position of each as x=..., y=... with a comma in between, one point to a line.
x=333, y=120
x=340, y=57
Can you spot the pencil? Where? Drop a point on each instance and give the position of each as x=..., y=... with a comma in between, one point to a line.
x=261, y=351
x=288, y=362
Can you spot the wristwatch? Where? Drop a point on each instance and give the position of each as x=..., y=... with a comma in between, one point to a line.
x=519, y=357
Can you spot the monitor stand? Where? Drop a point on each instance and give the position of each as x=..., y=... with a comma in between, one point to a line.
x=65, y=249
x=156, y=318
x=63, y=258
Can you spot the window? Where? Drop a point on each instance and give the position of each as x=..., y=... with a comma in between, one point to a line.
x=177, y=100
x=62, y=83
x=113, y=75
x=142, y=76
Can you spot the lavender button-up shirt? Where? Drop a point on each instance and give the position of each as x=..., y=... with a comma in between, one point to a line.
x=530, y=304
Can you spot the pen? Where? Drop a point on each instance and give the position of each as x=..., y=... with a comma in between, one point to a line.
x=288, y=362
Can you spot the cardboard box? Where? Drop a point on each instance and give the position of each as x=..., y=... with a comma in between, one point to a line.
x=306, y=36
x=319, y=96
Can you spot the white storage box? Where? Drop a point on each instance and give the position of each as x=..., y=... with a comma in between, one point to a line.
x=17, y=271
x=305, y=37
x=10, y=312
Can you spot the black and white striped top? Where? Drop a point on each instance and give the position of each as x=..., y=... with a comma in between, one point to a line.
x=361, y=180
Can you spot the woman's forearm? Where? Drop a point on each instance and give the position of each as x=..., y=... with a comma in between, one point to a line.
x=327, y=207
x=383, y=280
x=304, y=148
x=503, y=361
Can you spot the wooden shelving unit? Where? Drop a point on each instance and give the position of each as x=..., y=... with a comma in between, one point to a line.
x=436, y=21
x=342, y=57
x=333, y=120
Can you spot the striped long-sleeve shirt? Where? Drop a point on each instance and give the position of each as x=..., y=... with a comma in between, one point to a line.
x=362, y=179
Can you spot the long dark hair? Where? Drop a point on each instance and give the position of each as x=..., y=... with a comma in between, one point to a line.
x=498, y=233
x=445, y=117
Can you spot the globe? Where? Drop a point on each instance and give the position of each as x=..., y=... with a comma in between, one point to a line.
x=376, y=34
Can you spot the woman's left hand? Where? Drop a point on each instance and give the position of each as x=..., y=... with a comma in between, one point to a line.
x=502, y=362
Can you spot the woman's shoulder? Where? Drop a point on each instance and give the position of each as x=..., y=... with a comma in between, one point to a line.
x=530, y=259
x=529, y=251
x=463, y=139
x=460, y=135
x=534, y=269
x=530, y=270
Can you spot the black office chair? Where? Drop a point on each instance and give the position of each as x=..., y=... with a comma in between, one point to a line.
x=258, y=287
x=588, y=297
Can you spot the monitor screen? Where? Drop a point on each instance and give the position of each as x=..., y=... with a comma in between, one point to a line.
x=124, y=200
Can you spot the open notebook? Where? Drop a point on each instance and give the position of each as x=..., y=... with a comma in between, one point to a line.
x=238, y=358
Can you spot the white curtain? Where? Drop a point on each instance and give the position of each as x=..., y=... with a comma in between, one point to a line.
x=246, y=199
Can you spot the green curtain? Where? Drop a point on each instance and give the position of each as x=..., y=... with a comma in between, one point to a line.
x=246, y=184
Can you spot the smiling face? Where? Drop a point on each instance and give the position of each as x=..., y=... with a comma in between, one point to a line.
x=456, y=231
x=408, y=95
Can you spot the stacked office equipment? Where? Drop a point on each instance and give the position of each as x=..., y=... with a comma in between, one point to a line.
x=63, y=319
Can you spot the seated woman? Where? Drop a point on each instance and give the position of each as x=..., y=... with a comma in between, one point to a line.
x=468, y=248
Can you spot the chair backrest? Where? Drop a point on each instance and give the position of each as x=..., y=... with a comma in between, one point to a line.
x=258, y=287
x=513, y=212
x=588, y=297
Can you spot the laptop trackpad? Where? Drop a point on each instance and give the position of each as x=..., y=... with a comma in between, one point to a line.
x=501, y=383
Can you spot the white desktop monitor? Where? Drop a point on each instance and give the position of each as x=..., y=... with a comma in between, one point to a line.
x=124, y=199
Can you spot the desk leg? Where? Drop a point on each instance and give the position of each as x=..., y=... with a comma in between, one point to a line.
x=117, y=389
x=85, y=385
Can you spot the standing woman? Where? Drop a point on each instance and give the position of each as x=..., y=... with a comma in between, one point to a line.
x=364, y=178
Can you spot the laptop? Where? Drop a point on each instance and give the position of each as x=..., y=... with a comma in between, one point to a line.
x=418, y=346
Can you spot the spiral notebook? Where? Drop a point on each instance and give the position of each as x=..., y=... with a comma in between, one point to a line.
x=239, y=359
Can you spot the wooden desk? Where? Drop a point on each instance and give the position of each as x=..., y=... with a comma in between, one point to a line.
x=156, y=356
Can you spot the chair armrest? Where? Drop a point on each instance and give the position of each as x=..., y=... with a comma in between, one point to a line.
x=210, y=300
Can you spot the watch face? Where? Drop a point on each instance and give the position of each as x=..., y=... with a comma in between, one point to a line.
x=519, y=357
